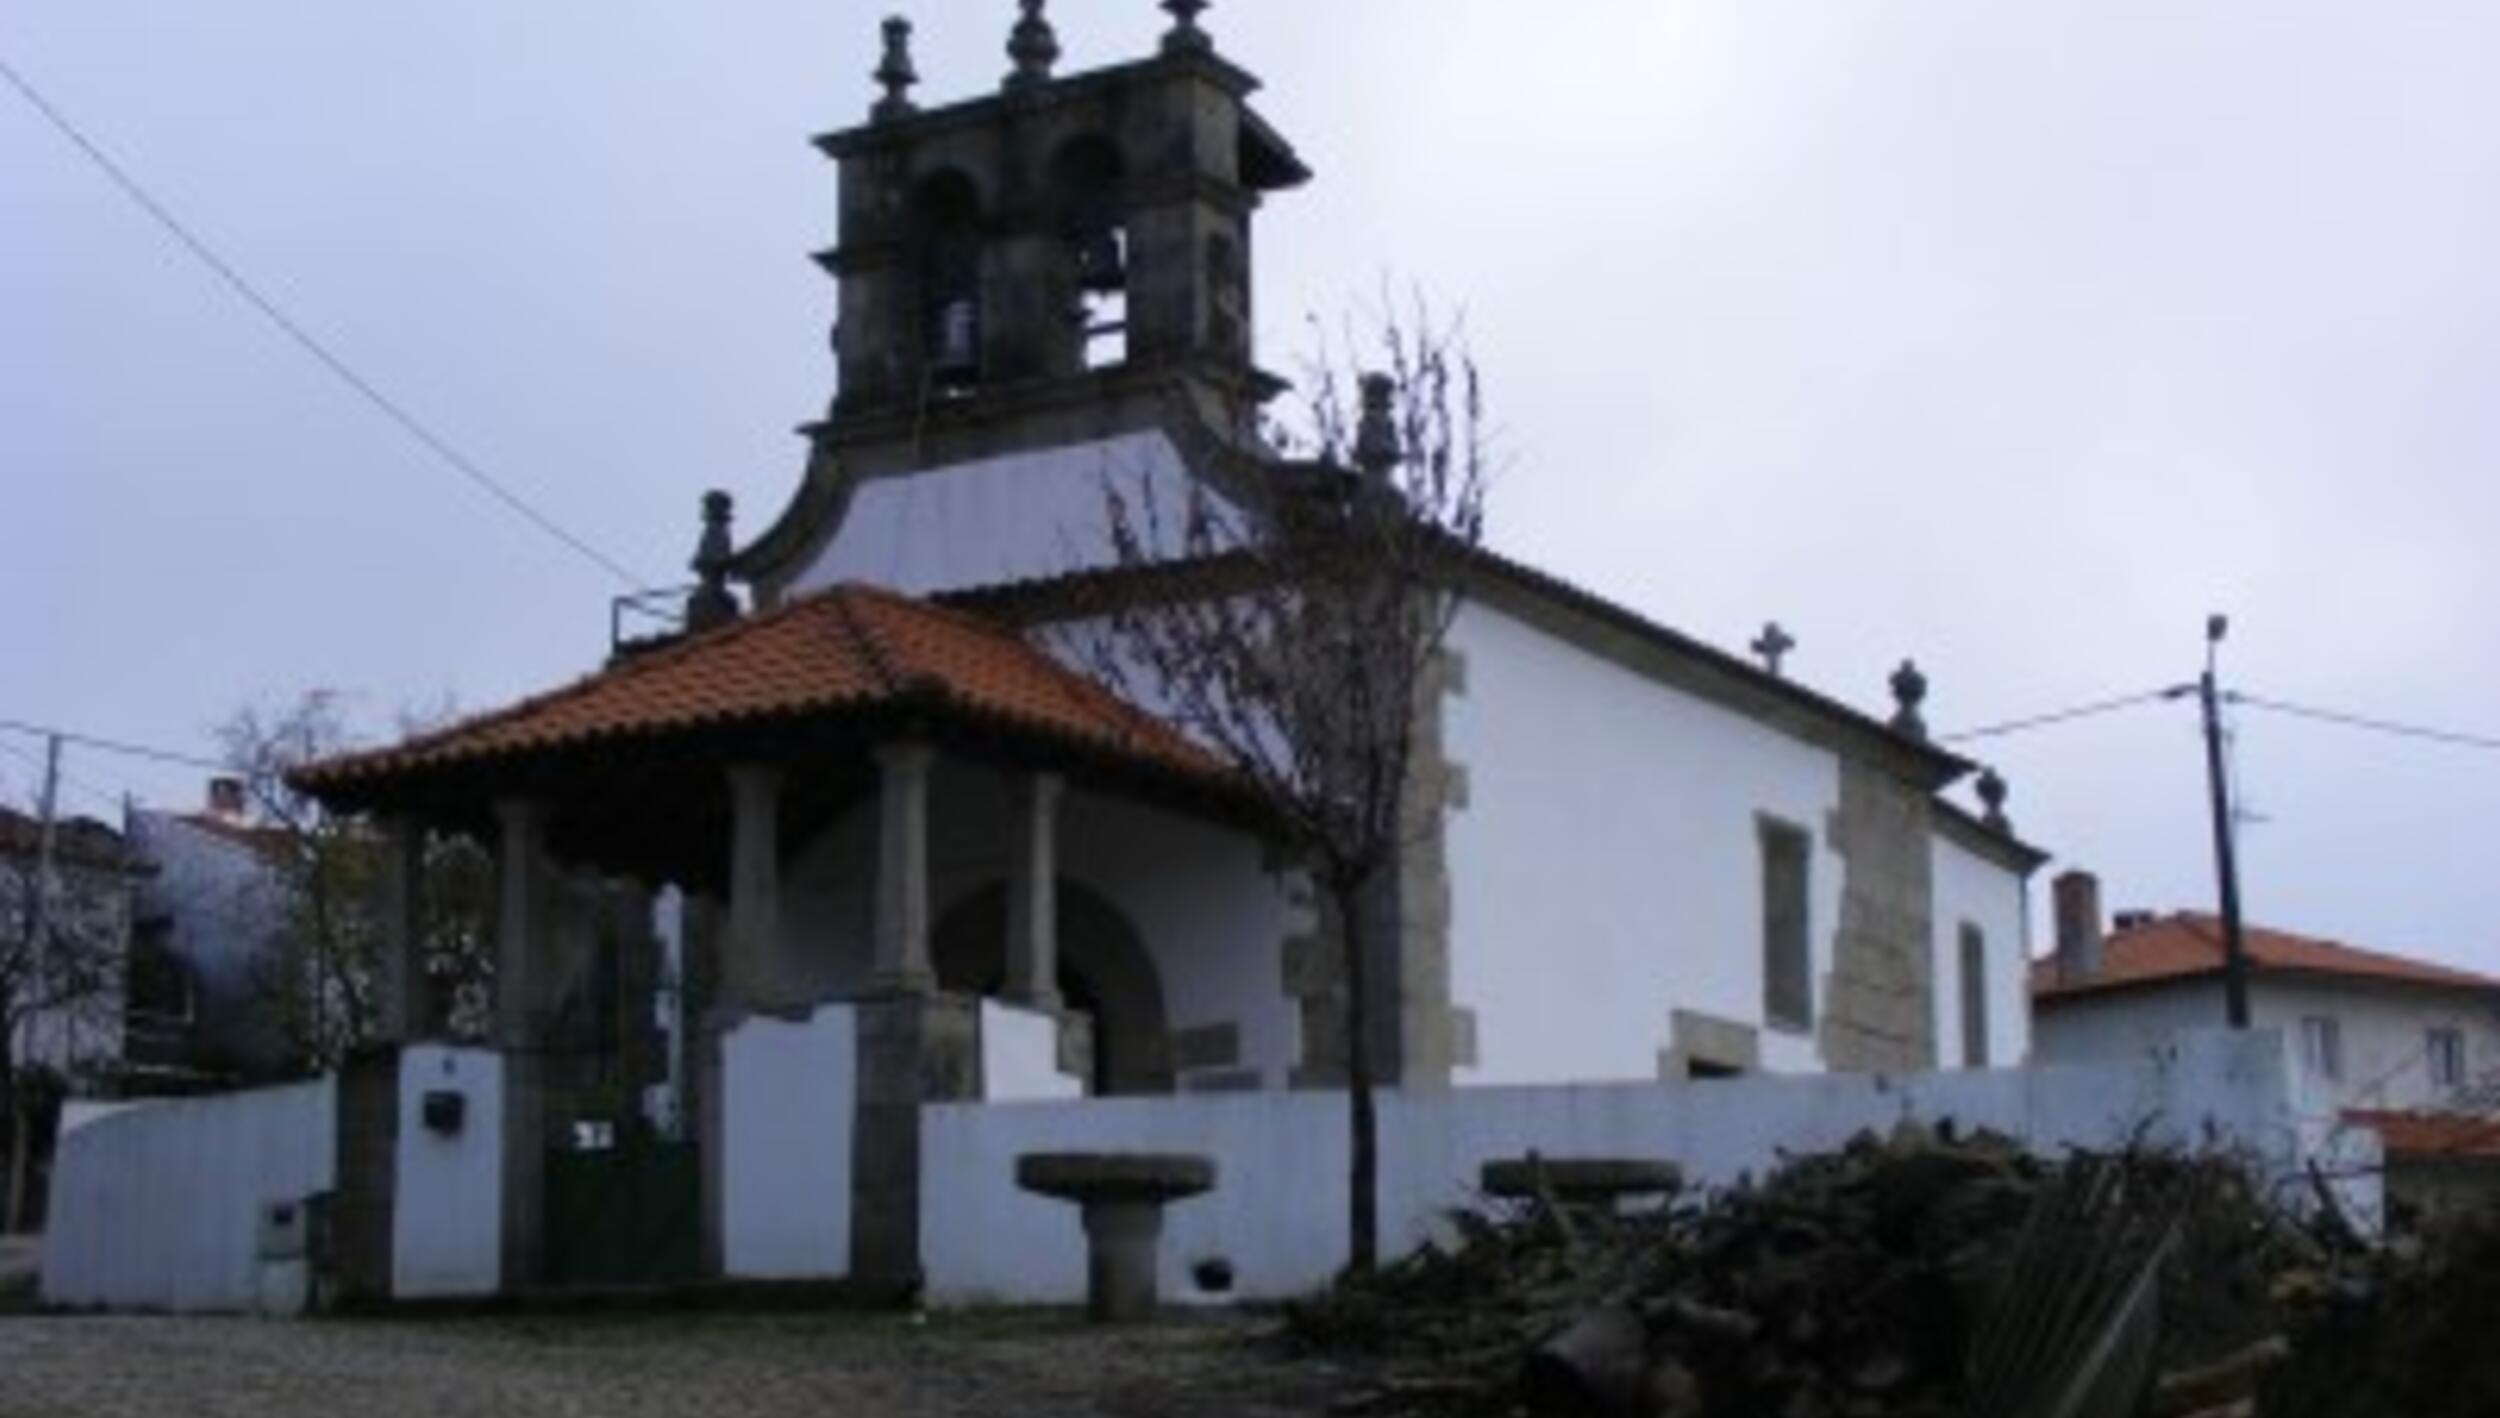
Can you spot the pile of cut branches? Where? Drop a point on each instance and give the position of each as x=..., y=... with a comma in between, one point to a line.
x=1924, y=1273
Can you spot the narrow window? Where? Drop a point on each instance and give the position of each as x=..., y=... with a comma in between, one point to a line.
x=1787, y=984
x=1974, y=997
x=2322, y=1046
x=2444, y=1051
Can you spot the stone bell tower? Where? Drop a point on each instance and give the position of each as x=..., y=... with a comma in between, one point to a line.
x=1056, y=261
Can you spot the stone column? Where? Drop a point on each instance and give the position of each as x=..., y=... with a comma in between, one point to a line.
x=902, y=943
x=520, y=938
x=754, y=976
x=400, y=995
x=1033, y=893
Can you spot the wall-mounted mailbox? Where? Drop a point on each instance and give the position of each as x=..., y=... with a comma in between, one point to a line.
x=282, y=1230
x=444, y=1110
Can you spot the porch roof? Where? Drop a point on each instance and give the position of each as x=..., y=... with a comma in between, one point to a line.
x=852, y=657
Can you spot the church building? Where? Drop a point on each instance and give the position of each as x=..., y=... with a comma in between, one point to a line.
x=874, y=781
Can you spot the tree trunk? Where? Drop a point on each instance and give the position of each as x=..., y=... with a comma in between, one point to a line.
x=1363, y=1176
x=21, y=1157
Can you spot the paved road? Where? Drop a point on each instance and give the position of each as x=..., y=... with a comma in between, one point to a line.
x=625, y=1366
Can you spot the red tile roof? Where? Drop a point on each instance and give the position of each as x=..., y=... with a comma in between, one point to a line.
x=2188, y=945
x=2431, y=1134
x=852, y=648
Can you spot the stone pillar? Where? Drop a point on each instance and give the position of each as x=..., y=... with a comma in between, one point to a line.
x=400, y=997
x=520, y=940
x=1033, y=893
x=902, y=943
x=753, y=974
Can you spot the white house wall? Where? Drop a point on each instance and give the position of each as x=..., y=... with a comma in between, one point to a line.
x=1010, y=518
x=787, y=1093
x=1972, y=889
x=157, y=1207
x=447, y=1200
x=1606, y=868
x=1277, y=1212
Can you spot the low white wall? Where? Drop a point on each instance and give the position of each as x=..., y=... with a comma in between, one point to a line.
x=157, y=1207
x=447, y=1209
x=1277, y=1214
x=786, y=1092
x=1020, y=1056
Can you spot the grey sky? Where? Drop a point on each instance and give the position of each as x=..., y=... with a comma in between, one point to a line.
x=2014, y=337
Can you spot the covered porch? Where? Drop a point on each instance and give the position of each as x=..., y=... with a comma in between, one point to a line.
x=897, y=832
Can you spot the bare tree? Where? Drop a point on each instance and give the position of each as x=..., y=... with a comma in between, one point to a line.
x=1294, y=623
x=316, y=978
x=64, y=936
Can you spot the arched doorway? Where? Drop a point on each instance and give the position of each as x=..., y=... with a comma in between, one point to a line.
x=1104, y=973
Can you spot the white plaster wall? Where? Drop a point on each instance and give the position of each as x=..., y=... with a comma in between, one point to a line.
x=447, y=1206
x=786, y=1089
x=1606, y=868
x=1205, y=908
x=1277, y=1211
x=1020, y=1056
x=2122, y=1024
x=1011, y=518
x=157, y=1207
x=1969, y=887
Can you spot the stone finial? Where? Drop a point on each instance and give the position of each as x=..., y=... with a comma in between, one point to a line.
x=1991, y=787
x=1772, y=646
x=712, y=603
x=1376, y=434
x=1909, y=690
x=895, y=72
x=1033, y=45
x=1185, y=37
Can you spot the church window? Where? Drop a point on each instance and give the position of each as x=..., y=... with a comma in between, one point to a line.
x=1974, y=943
x=1787, y=958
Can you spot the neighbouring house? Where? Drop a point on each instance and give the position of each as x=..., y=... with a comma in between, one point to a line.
x=205, y=927
x=2404, y=1047
x=925, y=860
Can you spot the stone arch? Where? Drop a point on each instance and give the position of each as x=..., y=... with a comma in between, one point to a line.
x=1104, y=972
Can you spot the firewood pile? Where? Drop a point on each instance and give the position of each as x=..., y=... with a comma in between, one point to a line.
x=1881, y=1279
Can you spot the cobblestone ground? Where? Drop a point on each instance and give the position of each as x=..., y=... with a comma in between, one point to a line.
x=625, y=1366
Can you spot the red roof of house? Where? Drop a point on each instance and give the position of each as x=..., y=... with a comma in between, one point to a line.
x=2431, y=1134
x=851, y=648
x=2188, y=945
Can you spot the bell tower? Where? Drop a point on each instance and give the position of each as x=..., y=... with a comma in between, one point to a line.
x=1066, y=258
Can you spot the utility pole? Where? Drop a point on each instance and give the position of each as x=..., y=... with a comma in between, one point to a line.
x=2226, y=855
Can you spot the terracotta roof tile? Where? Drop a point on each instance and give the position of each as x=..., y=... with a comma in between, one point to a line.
x=849, y=648
x=2187, y=945
x=2431, y=1134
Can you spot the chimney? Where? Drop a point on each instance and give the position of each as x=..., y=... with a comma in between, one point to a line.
x=225, y=798
x=2078, y=898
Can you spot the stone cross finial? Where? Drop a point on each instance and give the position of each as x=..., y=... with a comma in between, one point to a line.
x=711, y=602
x=1376, y=434
x=1772, y=646
x=1185, y=37
x=1992, y=797
x=895, y=72
x=1909, y=690
x=1033, y=45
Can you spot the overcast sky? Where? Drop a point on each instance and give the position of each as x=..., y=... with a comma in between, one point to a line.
x=2015, y=337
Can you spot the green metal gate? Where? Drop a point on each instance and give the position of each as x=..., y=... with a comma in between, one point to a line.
x=624, y=1215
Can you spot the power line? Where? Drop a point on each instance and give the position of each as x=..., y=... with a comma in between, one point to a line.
x=2364, y=721
x=134, y=750
x=68, y=780
x=2060, y=716
x=304, y=339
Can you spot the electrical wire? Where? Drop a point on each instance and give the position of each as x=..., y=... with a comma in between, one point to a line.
x=35, y=762
x=134, y=750
x=2364, y=721
x=2060, y=716
x=416, y=428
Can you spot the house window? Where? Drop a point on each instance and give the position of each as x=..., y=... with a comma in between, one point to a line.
x=2444, y=1052
x=1974, y=997
x=2322, y=1045
x=1787, y=983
